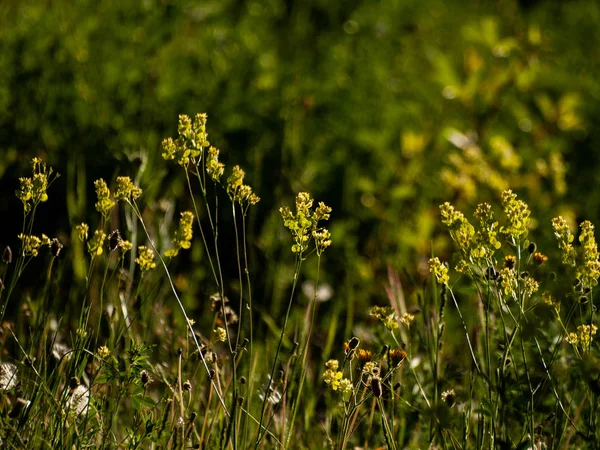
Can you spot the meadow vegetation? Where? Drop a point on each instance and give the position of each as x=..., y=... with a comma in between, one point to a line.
x=387, y=240
x=128, y=366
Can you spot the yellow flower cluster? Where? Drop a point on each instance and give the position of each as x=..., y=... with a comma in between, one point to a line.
x=509, y=281
x=183, y=235
x=386, y=315
x=82, y=231
x=517, y=214
x=305, y=223
x=103, y=352
x=31, y=245
x=192, y=139
x=214, y=168
x=238, y=191
x=126, y=190
x=460, y=228
x=565, y=239
x=145, y=259
x=104, y=203
x=487, y=236
x=322, y=240
x=32, y=190
x=589, y=270
x=332, y=376
x=94, y=245
x=440, y=270
x=220, y=334
x=583, y=337
x=407, y=319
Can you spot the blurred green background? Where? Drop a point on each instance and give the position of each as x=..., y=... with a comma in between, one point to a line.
x=381, y=109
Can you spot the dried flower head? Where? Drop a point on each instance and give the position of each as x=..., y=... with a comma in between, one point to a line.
x=114, y=240
x=540, y=258
x=397, y=356
x=8, y=376
x=510, y=261
x=79, y=400
x=55, y=247
x=449, y=397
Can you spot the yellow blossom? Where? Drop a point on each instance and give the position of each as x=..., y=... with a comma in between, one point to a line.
x=145, y=259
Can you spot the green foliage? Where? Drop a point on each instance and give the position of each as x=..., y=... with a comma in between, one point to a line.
x=383, y=110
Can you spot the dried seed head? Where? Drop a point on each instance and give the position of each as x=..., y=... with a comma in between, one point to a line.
x=7, y=255
x=114, y=240
x=353, y=343
x=55, y=247
x=449, y=397
x=397, y=356
x=74, y=382
x=8, y=376
x=364, y=356
x=510, y=261
x=145, y=378
x=376, y=387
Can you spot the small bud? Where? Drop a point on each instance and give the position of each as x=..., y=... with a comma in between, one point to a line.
x=145, y=377
x=180, y=352
x=376, y=387
x=243, y=380
x=187, y=386
x=7, y=255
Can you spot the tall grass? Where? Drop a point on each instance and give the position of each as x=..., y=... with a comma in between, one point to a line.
x=497, y=353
